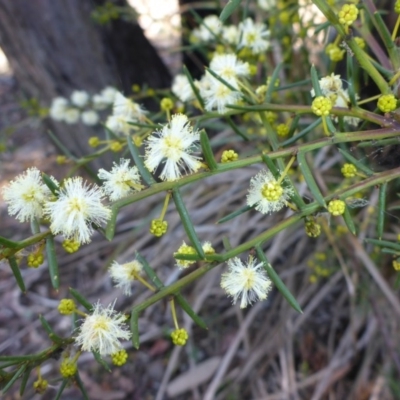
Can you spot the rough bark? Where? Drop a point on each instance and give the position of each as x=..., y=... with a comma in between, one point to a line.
x=54, y=47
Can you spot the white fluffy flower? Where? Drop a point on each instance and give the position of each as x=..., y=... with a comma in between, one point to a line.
x=267, y=194
x=71, y=115
x=26, y=195
x=121, y=180
x=124, y=107
x=118, y=125
x=209, y=29
x=229, y=68
x=254, y=36
x=174, y=145
x=102, y=330
x=216, y=94
x=124, y=274
x=248, y=281
x=181, y=88
x=266, y=5
x=79, y=98
x=329, y=85
x=90, y=117
x=108, y=94
x=76, y=209
x=105, y=98
x=231, y=34
x=58, y=107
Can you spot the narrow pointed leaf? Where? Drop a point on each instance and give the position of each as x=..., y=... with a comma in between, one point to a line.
x=271, y=166
x=302, y=133
x=61, y=146
x=61, y=389
x=384, y=243
x=315, y=82
x=81, y=300
x=194, y=87
x=112, y=223
x=144, y=172
x=189, y=311
x=186, y=221
x=222, y=80
x=135, y=328
x=24, y=380
x=350, y=79
x=381, y=209
x=207, y=151
x=150, y=272
x=277, y=281
x=50, y=184
x=17, y=273
x=235, y=214
x=52, y=335
x=52, y=262
x=359, y=165
x=236, y=129
x=11, y=382
x=100, y=360
x=230, y=7
x=79, y=382
x=348, y=219
x=309, y=178
x=17, y=359
x=271, y=84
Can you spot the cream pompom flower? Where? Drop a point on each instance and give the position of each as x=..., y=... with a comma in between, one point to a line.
x=229, y=68
x=124, y=274
x=26, y=195
x=181, y=88
x=216, y=94
x=254, y=36
x=121, y=180
x=79, y=98
x=77, y=207
x=126, y=108
x=102, y=330
x=267, y=194
x=173, y=144
x=118, y=125
x=248, y=281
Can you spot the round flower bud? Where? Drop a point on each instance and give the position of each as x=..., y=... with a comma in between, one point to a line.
x=35, y=259
x=387, y=103
x=40, y=385
x=228, y=156
x=66, y=306
x=334, y=52
x=349, y=170
x=321, y=106
x=158, y=227
x=179, y=337
x=336, y=207
x=166, y=104
x=70, y=245
x=312, y=229
x=348, y=14
x=119, y=358
x=68, y=368
x=282, y=130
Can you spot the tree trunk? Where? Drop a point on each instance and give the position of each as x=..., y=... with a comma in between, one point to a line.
x=54, y=47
